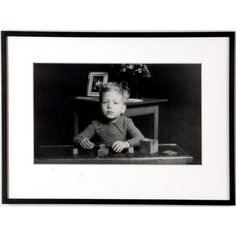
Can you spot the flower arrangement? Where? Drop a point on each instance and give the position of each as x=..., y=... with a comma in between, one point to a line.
x=136, y=70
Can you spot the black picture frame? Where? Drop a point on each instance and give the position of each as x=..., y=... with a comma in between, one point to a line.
x=6, y=86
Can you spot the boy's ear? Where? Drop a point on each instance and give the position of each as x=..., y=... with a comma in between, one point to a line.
x=123, y=109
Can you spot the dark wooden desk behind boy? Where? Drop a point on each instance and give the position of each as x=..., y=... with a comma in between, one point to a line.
x=113, y=129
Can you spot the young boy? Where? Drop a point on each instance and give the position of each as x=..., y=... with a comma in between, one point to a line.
x=114, y=128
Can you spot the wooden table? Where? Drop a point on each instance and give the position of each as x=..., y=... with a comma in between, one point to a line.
x=149, y=106
x=167, y=154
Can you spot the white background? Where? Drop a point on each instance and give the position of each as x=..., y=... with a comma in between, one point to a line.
x=117, y=16
x=206, y=181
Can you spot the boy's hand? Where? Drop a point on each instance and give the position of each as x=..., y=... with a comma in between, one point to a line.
x=119, y=146
x=86, y=143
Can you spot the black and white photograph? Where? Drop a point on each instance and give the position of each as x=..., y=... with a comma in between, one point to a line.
x=161, y=123
x=118, y=118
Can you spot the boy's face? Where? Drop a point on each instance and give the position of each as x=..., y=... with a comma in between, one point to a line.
x=112, y=105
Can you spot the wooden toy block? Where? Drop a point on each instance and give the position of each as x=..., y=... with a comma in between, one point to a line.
x=75, y=151
x=131, y=150
x=103, y=152
x=148, y=146
x=102, y=146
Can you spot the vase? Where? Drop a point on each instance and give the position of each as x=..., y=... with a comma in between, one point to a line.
x=134, y=88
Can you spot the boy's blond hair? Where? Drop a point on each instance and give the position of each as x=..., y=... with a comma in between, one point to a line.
x=122, y=89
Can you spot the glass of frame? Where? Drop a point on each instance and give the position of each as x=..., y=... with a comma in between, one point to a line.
x=186, y=107
x=96, y=80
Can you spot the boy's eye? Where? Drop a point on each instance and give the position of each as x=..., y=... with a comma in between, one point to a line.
x=116, y=102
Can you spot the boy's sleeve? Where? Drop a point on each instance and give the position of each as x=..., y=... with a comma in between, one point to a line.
x=135, y=134
x=88, y=132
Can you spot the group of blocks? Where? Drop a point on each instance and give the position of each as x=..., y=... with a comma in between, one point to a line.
x=147, y=146
x=103, y=151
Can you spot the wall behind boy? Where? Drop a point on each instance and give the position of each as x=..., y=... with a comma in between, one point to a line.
x=180, y=117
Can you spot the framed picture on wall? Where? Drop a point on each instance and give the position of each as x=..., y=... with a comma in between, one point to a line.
x=95, y=81
x=173, y=145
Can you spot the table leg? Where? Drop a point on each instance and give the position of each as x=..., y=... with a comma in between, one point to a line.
x=76, y=123
x=156, y=121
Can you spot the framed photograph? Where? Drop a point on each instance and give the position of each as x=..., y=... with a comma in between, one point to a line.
x=170, y=142
x=95, y=81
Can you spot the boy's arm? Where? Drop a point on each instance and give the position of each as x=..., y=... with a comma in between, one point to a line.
x=135, y=134
x=88, y=132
